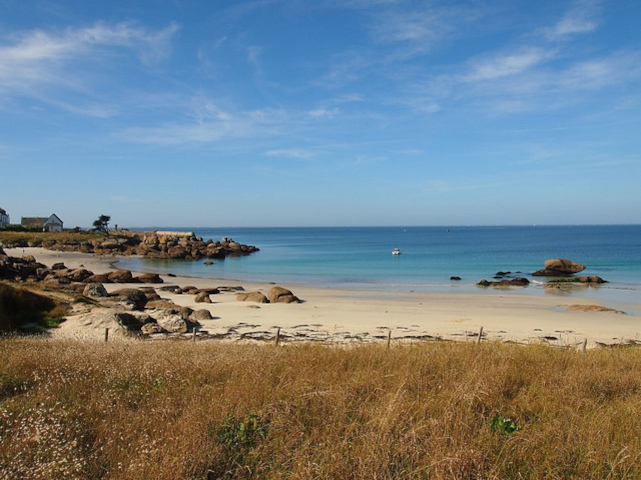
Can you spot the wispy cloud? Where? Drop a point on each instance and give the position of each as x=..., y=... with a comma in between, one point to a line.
x=32, y=61
x=323, y=112
x=296, y=153
x=506, y=64
x=216, y=126
x=582, y=18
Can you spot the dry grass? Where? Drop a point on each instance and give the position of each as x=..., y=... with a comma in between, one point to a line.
x=174, y=410
x=24, y=239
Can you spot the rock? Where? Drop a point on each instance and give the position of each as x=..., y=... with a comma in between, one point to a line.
x=515, y=282
x=110, y=244
x=202, y=297
x=150, y=293
x=564, y=266
x=184, y=312
x=79, y=275
x=559, y=267
x=128, y=321
x=177, y=252
x=161, y=304
x=227, y=288
x=592, y=308
x=208, y=262
x=98, y=278
x=150, y=278
x=95, y=290
x=131, y=296
x=176, y=325
x=151, y=328
x=58, y=266
x=252, y=297
x=202, y=314
x=120, y=276
x=171, y=288
x=281, y=295
x=455, y=279
x=585, y=279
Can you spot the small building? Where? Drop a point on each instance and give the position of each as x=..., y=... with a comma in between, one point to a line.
x=48, y=224
x=4, y=218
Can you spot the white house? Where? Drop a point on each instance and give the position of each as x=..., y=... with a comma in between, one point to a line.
x=50, y=224
x=53, y=224
x=4, y=218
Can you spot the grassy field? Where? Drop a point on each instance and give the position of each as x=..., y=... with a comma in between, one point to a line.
x=177, y=410
x=35, y=239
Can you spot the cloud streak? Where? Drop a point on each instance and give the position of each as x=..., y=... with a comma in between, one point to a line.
x=33, y=61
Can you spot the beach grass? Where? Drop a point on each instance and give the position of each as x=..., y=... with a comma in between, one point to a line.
x=176, y=409
x=36, y=239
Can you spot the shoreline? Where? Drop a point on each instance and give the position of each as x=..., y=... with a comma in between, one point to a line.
x=342, y=315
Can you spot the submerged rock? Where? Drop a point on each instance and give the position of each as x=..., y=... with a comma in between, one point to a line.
x=515, y=282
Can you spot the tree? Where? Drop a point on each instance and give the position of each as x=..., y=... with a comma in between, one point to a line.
x=101, y=224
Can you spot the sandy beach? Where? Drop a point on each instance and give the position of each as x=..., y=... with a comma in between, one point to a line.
x=339, y=316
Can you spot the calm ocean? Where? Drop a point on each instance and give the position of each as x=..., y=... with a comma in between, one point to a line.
x=360, y=257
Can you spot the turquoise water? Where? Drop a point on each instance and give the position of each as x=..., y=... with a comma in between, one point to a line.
x=360, y=257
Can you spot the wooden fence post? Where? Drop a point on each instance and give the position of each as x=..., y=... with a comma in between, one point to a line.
x=389, y=338
x=478, y=340
x=193, y=336
x=106, y=334
x=585, y=346
x=277, y=336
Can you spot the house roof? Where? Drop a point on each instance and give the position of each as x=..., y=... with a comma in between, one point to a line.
x=53, y=218
x=33, y=221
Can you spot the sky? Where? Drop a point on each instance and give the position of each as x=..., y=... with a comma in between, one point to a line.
x=321, y=112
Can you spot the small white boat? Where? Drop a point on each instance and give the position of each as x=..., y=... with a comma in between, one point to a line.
x=396, y=251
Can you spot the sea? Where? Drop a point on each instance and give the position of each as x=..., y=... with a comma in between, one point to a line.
x=360, y=258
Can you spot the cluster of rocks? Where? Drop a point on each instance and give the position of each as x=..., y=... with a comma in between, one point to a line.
x=556, y=267
x=141, y=311
x=27, y=269
x=274, y=295
x=136, y=311
x=513, y=282
x=161, y=245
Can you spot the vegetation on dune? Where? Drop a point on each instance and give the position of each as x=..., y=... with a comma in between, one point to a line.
x=136, y=410
x=39, y=238
x=20, y=307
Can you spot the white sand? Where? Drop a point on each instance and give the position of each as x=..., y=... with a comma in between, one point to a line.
x=507, y=315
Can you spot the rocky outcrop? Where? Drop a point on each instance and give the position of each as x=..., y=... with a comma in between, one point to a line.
x=22, y=269
x=281, y=295
x=178, y=245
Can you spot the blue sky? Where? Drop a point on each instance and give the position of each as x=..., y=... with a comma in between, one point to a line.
x=326, y=112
